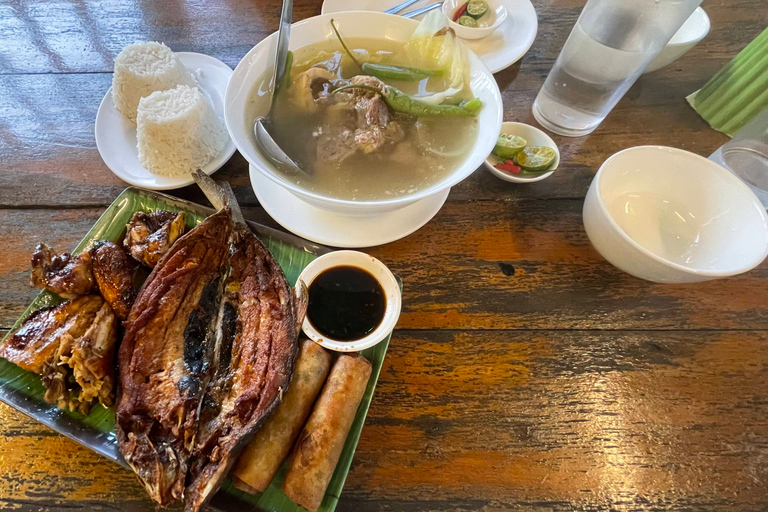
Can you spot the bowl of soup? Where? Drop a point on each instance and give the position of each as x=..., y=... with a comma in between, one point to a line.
x=403, y=159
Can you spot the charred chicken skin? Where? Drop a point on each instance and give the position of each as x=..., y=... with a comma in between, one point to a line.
x=114, y=271
x=65, y=275
x=150, y=235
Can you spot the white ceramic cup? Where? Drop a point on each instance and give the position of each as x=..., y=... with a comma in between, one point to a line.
x=382, y=274
x=670, y=216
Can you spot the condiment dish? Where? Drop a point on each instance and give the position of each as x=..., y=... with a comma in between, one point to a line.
x=695, y=28
x=385, y=278
x=670, y=216
x=496, y=9
x=534, y=137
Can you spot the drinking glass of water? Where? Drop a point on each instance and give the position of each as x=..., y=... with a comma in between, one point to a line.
x=746, y=155
x=609, y=47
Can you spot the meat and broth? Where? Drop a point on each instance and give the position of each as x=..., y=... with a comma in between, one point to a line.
x=356, y=121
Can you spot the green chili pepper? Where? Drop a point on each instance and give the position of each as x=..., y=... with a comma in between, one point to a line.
x=403, y=73
x=384, y=71
x=404, y=104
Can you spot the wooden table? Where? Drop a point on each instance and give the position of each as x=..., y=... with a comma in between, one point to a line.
x=526, y=372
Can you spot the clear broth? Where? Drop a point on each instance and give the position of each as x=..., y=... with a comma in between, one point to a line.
x=432, y=148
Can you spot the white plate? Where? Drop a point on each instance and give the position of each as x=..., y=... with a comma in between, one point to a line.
x=116, y=135
x=498, y=51
x=337, y=229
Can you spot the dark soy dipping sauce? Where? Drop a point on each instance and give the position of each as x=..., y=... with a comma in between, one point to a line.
x=346, y=303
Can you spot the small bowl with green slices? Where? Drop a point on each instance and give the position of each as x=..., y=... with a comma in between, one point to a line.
x=474, y=19
x=523, y=154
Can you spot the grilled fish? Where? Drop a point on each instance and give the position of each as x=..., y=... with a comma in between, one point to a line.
x=165, y=357
x=256, y=348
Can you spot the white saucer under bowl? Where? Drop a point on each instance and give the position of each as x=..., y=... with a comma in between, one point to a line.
x=116, y=135
x=498, y=51
x=340, y=230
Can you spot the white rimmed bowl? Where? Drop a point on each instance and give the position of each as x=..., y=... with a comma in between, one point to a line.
x=534, y=137
x=382, y=274
x=670, y=216
x=372, y=25
x=695, y=28
x=449, y=8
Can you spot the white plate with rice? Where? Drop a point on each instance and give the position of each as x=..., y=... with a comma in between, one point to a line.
x=116, y=136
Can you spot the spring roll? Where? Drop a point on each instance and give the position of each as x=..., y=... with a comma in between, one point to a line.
x=319, y=445
x=262, y=457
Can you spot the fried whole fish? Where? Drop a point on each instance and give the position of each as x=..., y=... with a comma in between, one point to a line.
x=165, y=357
x=255, y=352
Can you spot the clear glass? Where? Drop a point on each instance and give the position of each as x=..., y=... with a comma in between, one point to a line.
x=609, y=47
x=746, y=155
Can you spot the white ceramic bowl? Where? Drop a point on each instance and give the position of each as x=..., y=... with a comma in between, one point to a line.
x=695, y=28
x=378, y=270
x=670, y=216
x=353, y=24
x=534, y=137
x=449, y=8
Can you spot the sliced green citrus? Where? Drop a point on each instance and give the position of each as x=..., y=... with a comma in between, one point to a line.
x=477, y=8
x=535, y=158
x=468, y=21
x=507, y=146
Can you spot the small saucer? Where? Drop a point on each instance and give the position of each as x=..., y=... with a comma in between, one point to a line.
x=116, y=135
x=534, y=137
x=498, y=51
x=336, y=229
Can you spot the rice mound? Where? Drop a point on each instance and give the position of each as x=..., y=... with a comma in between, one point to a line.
x=141, y=69
x=178, y=131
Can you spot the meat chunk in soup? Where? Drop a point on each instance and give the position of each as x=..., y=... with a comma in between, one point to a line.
x=370, y=129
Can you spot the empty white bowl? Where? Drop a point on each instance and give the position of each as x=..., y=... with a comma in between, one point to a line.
x=695, y=28
x=382, y=274
x=670, y=216
x=499, y=11
x=534, y=137
x=353, y=24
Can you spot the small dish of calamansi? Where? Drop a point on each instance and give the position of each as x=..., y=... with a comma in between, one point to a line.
x=523, y=154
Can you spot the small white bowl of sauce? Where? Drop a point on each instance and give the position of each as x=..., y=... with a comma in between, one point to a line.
x=354, y=301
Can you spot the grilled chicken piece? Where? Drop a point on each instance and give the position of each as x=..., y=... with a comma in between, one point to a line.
x=65, y=275
x=150, y=235
x=256, y=345
x=73, y=346
x=89, y=361
x=35, y=342
x=165, y=357
x=114, y=272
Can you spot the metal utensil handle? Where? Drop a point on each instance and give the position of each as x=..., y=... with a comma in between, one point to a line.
x=283, y=37
x=399, y=7
x=428, y=8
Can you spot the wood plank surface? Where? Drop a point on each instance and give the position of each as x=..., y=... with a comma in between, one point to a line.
x=526, y=372
x=622, y=421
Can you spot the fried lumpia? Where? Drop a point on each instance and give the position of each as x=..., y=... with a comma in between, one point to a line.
x=320, y=444
x=262, y=457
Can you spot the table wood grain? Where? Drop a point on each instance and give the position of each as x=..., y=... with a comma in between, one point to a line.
x=526, y=373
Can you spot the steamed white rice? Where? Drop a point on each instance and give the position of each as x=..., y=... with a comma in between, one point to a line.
x=141, y=69
x=178, y=131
